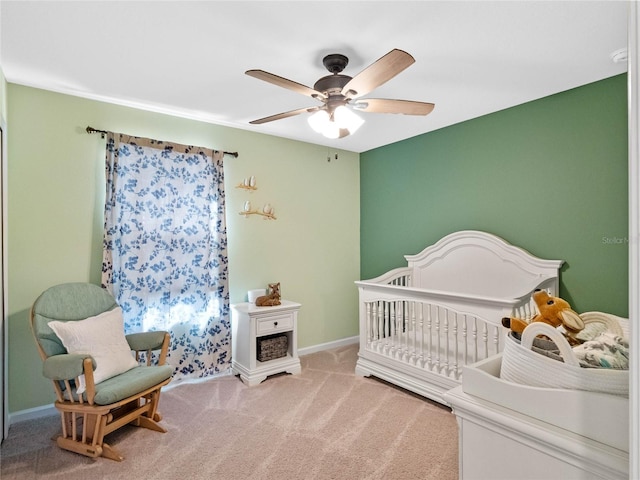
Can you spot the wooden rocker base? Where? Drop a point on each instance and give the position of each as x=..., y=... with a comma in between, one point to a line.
x=104, y=449
x=145, y=422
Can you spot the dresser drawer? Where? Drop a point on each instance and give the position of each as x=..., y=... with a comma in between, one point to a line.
x=275, y=323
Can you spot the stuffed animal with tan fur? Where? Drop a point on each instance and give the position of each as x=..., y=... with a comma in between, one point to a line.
x=553, y=311
x=272, y=299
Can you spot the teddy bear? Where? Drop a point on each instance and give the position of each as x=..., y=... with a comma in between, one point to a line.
x=553, y=311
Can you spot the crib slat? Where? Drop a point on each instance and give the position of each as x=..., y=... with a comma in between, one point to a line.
x=432, y=337
x=456, y=344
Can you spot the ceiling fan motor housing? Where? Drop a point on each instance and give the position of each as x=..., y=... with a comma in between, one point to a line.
x=331, y=83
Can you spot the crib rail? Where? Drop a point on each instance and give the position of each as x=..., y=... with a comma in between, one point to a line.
x=399, y=277
x=432, y=337
x=526, y=308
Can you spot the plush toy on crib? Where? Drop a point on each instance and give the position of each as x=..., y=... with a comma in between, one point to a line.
x=272, y=299
x=553, y=311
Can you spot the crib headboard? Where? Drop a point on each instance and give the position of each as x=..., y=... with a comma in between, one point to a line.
x=472, y=262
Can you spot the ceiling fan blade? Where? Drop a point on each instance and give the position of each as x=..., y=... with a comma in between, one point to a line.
x=379, y=72
x=285, y=83
x=280, y=116
x=384, y=105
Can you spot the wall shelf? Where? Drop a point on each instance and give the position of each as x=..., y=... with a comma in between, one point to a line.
x=248, y=183
x=267, y=216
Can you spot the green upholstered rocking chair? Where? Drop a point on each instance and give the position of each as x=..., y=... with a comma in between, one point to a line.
x=100, y=386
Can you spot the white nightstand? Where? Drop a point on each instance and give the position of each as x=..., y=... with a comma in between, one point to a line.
x=249, y=323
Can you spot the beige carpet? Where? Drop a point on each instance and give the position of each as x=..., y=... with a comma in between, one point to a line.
x=325, y=423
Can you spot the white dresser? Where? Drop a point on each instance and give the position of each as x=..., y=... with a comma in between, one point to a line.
x=509, y=431
x=249, y=324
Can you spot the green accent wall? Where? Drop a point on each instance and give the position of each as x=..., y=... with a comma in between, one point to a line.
x=55, y=218
x=549, y=176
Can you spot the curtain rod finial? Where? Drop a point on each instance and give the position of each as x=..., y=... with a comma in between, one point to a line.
x=95, y=130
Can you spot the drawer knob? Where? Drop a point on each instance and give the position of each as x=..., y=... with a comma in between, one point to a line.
x=275, y=324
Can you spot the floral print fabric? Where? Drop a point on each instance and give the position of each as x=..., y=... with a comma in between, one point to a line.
x=165, y=248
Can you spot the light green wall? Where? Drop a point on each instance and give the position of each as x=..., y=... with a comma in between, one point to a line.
x=549, y=176
x=56, y=196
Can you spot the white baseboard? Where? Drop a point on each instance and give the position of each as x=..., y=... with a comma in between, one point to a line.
x=32, y=413
x=343, y=342
x=49, y=410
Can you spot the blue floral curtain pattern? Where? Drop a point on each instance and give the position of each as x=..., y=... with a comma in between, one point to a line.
x=165, y=248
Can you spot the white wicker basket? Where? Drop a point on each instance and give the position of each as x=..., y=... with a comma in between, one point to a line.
x=520, y=364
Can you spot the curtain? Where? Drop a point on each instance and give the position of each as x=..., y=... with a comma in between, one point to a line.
x=165, y=248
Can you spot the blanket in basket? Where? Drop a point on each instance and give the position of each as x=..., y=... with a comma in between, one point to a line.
x=599, y=364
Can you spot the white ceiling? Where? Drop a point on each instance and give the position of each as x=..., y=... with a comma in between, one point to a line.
x=188, y=58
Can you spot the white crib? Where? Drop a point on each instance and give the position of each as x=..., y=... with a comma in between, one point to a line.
x=420, y=324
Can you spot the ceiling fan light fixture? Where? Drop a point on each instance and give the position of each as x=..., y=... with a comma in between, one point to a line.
x=331, y=130
x=319, y=121
x=345, y=118
x=330, y=125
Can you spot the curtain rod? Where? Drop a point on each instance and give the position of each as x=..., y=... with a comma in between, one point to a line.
x=104, y=132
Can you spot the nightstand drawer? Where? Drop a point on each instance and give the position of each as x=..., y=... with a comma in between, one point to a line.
x=275, y=323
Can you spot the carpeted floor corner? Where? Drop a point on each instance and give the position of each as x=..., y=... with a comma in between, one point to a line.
x=325, y=423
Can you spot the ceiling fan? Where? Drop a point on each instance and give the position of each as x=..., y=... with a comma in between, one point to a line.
x=337, y=92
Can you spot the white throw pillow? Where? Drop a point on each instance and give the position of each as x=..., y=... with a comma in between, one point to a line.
x=103, y=338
